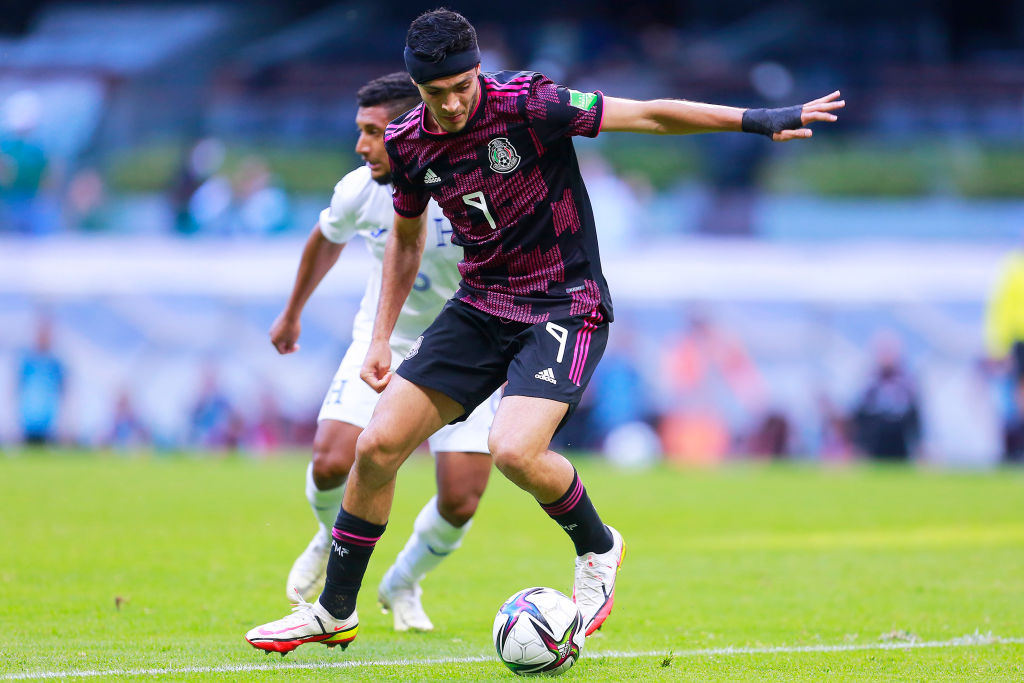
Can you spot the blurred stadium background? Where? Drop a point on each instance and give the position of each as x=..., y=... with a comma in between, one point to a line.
x=161, y=164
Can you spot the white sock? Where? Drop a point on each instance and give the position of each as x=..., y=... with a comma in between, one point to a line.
x=325, y=504
x=433, y=538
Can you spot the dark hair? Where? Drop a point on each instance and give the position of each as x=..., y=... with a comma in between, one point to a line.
x=438, y=33
x=395, y=91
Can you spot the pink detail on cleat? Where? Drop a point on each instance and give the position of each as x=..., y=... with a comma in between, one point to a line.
x=606, y=607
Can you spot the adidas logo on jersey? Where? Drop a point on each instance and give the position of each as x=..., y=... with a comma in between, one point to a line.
x=546, y=375
x=430, y=178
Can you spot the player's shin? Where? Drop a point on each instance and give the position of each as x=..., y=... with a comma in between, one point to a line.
x=577, y=516
x=433, y=539
x=325, y=503
x=352, y=543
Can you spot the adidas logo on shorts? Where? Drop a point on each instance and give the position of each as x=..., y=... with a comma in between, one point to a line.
x=431, y=177
x=546, y=375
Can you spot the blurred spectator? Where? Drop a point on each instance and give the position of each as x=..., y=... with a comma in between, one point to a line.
x=198, y=165
x=209, y=206
x=833, y=442
x=618, y=213
x=268, y=431
x=260, y=205
x=86, y=202
x=886, y=420
x=620, y=395
x=214, y=424
x=248, y=203
x=733, y=166
x=771, y=436
x=731, y=171
x=1015, y=427
x=494, y=51
x=41, y=384
x=127, y=429
x=23, y=166
x=1004, y=336
x=695, y=434
x=709, y=359
x=712, y=378
x=578, y=433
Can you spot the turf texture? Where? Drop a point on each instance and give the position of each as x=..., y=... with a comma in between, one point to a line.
x=153, y=567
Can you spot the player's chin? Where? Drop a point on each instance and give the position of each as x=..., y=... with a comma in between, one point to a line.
x=380, y=177
x=456, y=125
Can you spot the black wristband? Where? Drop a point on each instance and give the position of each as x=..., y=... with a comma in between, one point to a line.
x=771, y=121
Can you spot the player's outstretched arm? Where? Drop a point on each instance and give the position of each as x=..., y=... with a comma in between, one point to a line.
x=681, y=117
x=318, y=257
x=402, y=256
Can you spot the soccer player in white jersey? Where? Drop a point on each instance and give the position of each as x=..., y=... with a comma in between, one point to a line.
x=362, y=205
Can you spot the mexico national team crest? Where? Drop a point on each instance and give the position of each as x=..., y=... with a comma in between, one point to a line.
x=503, y=156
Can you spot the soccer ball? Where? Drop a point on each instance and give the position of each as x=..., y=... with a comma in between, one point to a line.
x=538, y=631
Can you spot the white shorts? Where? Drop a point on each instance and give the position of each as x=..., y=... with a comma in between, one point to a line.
x=351, y=400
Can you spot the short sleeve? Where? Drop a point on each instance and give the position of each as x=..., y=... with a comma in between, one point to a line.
x=338, y=221
x=409, y=201
x=555, y=111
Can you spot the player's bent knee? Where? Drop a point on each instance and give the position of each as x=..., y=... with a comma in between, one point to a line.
x=457, y=510
x=331, y=463
x=330, y=467
x=511, y=462
x=374, y=452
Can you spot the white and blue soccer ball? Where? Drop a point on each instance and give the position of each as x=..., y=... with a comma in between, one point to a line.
x=538, y=631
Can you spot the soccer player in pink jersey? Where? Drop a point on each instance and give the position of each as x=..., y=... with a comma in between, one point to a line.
x=495, y=151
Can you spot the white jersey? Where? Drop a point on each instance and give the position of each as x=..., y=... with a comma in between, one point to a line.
x=362, y=206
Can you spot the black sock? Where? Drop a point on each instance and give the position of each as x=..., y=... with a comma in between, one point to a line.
x=576, y=514
x=351, y=546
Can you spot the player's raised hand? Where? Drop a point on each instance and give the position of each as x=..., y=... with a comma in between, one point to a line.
x=284, y=333
x=816, y=110
x=377, y=365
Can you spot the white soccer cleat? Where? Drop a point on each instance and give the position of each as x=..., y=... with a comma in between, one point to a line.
x=309, y=571
x=404, y=603
x=593, y=589
x=308, y=623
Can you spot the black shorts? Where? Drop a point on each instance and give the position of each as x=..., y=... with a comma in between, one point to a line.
x=467, y=354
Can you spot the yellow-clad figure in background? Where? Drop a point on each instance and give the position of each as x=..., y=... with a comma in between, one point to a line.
x=1004, y=337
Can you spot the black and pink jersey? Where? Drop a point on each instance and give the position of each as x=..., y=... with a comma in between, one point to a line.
x=510, y=184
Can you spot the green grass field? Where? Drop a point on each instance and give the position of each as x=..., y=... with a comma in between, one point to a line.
x=856, y=574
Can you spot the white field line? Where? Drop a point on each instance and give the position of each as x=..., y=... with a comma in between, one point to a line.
x=973, y=640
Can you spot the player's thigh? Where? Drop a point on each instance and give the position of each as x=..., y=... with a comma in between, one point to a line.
x=523, y=426
x=405, y=416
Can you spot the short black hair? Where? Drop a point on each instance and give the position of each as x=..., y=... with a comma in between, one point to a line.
x=438, y=33
x=394, y=91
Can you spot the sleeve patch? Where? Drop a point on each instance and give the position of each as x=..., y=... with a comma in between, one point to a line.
x=582, y=100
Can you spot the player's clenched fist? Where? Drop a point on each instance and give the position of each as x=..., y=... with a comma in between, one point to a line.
x=377, y=366
x=284, y=334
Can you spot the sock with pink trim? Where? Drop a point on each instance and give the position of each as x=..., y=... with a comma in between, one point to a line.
x=352, y=543
x=576, y=515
